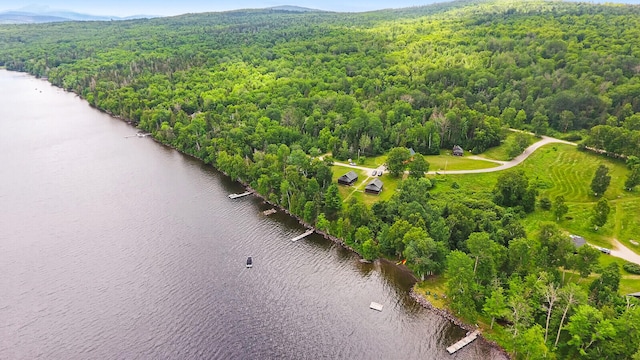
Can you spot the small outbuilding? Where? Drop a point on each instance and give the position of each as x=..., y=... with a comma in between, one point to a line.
x=578, y=241
x=348, y=178
x=457, y=150
x=635, y=295
x=374, y=187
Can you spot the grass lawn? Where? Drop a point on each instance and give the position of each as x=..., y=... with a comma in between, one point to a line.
x=472, y=184
x=433, y=290
x=568, y=172
x=559, y=169
x=450, y=162
x=629, y=283
x=389, y=188
x=500, y=152
x=373, y=162
x=364, y=178
x=338, y=171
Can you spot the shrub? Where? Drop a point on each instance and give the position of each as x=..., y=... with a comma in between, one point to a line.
x=572, y=137
x=545, y=203
x=632, y=268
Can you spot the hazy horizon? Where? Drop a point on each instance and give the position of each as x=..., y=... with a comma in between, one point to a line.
x=123, y=8
x=147, y=7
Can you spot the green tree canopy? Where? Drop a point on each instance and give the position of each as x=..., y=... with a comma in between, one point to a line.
x=601, y=180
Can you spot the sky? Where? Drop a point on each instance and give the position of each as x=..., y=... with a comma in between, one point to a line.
x=176, y=7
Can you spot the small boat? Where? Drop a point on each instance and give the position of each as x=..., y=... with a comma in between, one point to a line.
x=249, y=262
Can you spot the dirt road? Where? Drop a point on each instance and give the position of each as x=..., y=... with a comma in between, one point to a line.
x=503, y=164
x=623, y=252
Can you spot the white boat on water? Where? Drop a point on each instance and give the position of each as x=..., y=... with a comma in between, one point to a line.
x=249, y=262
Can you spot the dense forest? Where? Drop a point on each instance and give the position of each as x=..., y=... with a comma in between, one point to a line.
x=261, y=94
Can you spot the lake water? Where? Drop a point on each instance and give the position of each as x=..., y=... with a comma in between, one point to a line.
x=116, y=247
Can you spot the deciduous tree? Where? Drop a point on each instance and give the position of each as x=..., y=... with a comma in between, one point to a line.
x=396, y=160
x=601, y=180
x=496, y=305
x=560, y=209
x=460, y=284
x=418, y=167
x=600, y=213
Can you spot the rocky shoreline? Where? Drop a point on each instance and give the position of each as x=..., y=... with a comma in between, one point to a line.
x=415, y=296
x=449, y=316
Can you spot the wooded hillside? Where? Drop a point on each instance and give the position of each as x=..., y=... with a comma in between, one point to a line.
x=261, y=94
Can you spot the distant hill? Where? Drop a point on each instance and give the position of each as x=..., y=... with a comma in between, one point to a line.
x=292, y=8
x=33, y=15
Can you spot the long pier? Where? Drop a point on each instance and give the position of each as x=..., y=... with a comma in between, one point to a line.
x=464, y=342
x=303, y=235
x=235, y=196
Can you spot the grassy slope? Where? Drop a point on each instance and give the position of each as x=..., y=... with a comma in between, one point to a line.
x=560, y=169
x=500, y=152
x=450, y=162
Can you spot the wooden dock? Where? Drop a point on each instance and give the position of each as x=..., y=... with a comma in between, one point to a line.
x=464, y=342
x=303, y=235
x=140, y=135
x=235, y=196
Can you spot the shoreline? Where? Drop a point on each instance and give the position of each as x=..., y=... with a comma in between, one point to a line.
x=444, y=313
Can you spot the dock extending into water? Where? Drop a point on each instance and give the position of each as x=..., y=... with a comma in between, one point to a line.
x=303, y=235
x=464, y=342
x=140, y=135
x=235, y=196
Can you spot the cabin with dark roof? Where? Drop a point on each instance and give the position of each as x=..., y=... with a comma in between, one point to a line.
x=348, y=178
x=457, y=150
x=374, y=187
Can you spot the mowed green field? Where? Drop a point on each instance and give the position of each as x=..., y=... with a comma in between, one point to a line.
x=450, y=162
x=559, y=169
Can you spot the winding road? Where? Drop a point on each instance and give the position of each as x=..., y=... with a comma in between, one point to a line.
x=619, y=250
x=511, y=163
x=503, y=164
x=623, y=252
